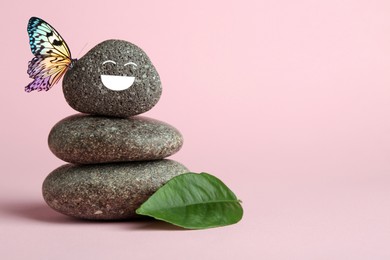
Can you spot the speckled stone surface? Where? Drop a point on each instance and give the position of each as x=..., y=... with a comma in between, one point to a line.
x=107, y=191
x=85, y=92
x=87, y=139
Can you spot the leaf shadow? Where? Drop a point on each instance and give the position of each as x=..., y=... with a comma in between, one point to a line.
x=151, y=224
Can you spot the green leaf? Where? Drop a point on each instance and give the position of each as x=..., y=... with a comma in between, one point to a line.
x=194, y=201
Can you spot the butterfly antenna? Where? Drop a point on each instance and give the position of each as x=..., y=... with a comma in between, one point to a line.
x=85, y=45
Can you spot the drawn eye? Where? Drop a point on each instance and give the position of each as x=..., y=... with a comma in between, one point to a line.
x=131, y=63
x=109, y=61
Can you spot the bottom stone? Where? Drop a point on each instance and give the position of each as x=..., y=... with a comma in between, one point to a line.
x=106, y=191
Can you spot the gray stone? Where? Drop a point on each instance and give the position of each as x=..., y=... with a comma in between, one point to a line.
x=87, y=139
x=96, y=82
x=106, y=191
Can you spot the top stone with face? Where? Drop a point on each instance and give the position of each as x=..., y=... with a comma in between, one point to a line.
x=115, y=78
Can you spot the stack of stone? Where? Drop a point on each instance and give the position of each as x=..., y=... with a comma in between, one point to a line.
x=116, y=158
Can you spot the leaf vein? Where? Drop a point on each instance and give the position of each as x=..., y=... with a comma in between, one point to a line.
x=199, y=203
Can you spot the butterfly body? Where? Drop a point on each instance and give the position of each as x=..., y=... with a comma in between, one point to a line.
x=52, y=55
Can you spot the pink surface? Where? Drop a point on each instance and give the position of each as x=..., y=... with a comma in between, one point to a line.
x=288, y=102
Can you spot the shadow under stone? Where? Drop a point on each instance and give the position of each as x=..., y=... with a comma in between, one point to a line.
x=39, y=211
x=36, y=211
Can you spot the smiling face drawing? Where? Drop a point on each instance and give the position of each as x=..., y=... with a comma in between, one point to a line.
x=115, y=78
x=115, y=82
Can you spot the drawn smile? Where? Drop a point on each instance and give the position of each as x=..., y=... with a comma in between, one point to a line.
x=117, y=83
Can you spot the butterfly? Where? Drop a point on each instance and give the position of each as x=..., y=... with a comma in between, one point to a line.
x=52, y=55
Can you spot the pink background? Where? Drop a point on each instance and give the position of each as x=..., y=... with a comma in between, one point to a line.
x=288, y=102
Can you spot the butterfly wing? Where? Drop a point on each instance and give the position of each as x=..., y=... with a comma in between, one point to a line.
x=52, y=56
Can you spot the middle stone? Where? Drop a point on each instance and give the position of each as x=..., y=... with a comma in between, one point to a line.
x=87, y=139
